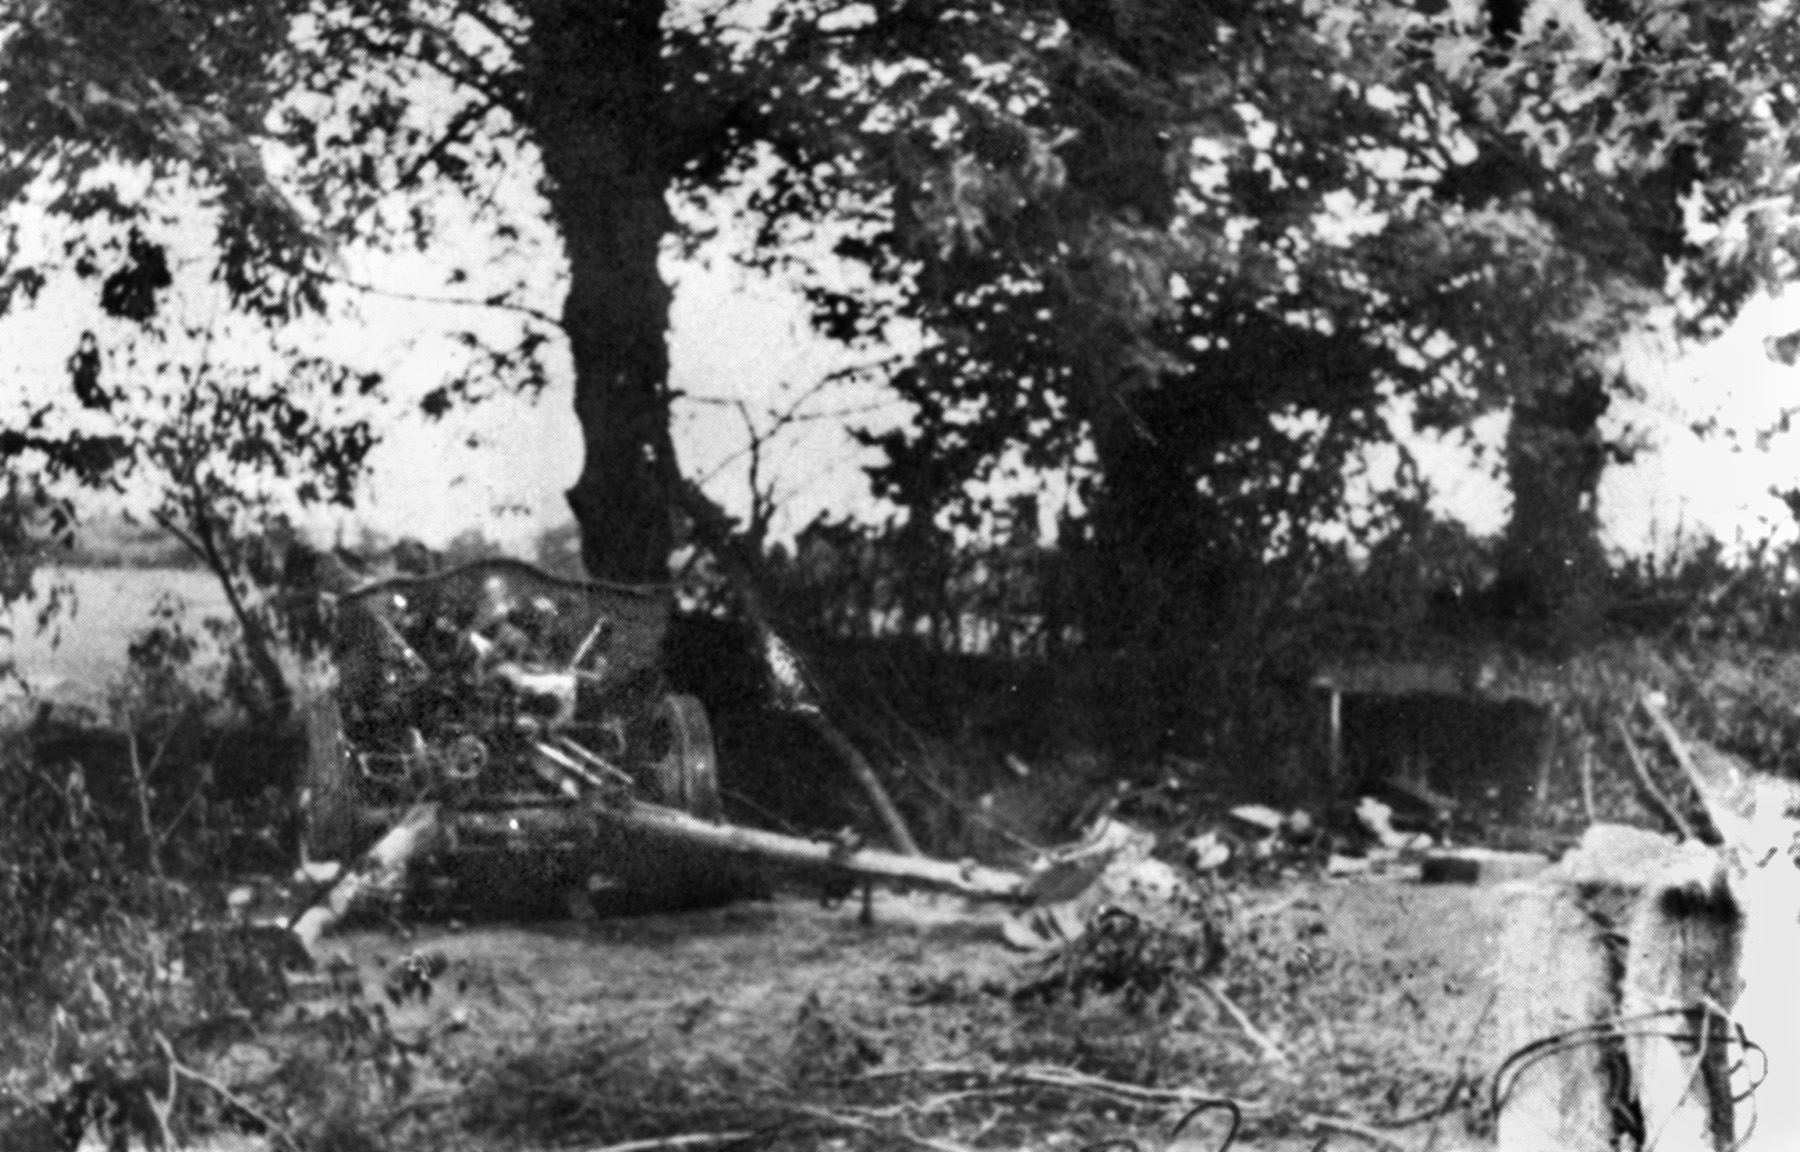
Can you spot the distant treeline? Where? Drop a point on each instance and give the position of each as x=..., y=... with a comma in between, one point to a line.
x=111, y=540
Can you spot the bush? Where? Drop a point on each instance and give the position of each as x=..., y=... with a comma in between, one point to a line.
x=107, y=974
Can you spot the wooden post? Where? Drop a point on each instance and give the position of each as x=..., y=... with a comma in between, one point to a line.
x=1709, y=932
x=1335, y=746
x=1680, y=976
x=1587, y=781
x=1768, y=1003
x=1554, y=975
x=1546, y=763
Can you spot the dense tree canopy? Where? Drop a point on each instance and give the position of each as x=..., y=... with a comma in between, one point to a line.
x=1211, y=245
x=1188, y=255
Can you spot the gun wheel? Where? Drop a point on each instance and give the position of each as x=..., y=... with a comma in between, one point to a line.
x=684, y=763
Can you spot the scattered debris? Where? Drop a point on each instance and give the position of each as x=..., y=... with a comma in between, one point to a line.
x=1479, y=866
x=828, y=1049
x=379, y=878
x=1417, y=807
x=1208, y=852
x=1128, y=878
x=1141, y=931
x=1271, y=1051
x=1260, y=817
x=1378, y=819
x=1249, y=835
x=323, y=873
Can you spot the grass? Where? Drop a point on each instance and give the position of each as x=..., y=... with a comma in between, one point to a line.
x=796, y=1025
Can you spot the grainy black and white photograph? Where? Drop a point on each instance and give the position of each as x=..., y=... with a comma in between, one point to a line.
x=899, y=576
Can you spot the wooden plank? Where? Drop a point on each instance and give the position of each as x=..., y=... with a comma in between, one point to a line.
x=1335, y=759
x=1547, y=748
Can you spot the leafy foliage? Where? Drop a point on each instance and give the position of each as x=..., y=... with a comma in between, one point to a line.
x=1144, y=960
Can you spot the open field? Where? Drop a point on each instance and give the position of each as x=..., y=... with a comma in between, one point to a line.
x=81, y=653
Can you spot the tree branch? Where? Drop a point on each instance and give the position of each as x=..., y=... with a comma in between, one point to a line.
x=453, y=134
x=494, y=28
x=474, y=73
x=141, y=785
x=679, y=1143
x=361, y=37
x=456, y=301
x=256, y=638
x=712, y=529
x=1647, y=789
x=177, y=1068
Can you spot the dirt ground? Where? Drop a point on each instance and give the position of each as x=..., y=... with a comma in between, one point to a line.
x=801, y=1027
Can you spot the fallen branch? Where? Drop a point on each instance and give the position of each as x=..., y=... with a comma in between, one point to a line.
x=1043, y=1076
x=178, y=1069
x=865, y=775
x=1137, y=1095
x=1270, y=1050
x=862, y=1125
x=943, y=1100
x=744, y=569
x=1647, y=789
x=1315, y=1124
x=678, y=1143
x=1729, y=799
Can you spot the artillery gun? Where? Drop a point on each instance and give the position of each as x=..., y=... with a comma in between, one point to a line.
x=512, y=727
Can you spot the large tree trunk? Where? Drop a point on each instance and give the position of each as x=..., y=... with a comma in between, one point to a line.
x=1552, y=586
x=597, y=86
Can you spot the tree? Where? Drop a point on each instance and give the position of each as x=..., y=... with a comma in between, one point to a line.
x=1265, y=223
x=396, y=119
x=1099, y=209
x=1646, y=143
x=214, y=447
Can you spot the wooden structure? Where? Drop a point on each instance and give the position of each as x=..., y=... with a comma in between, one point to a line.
x=1470, y=728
